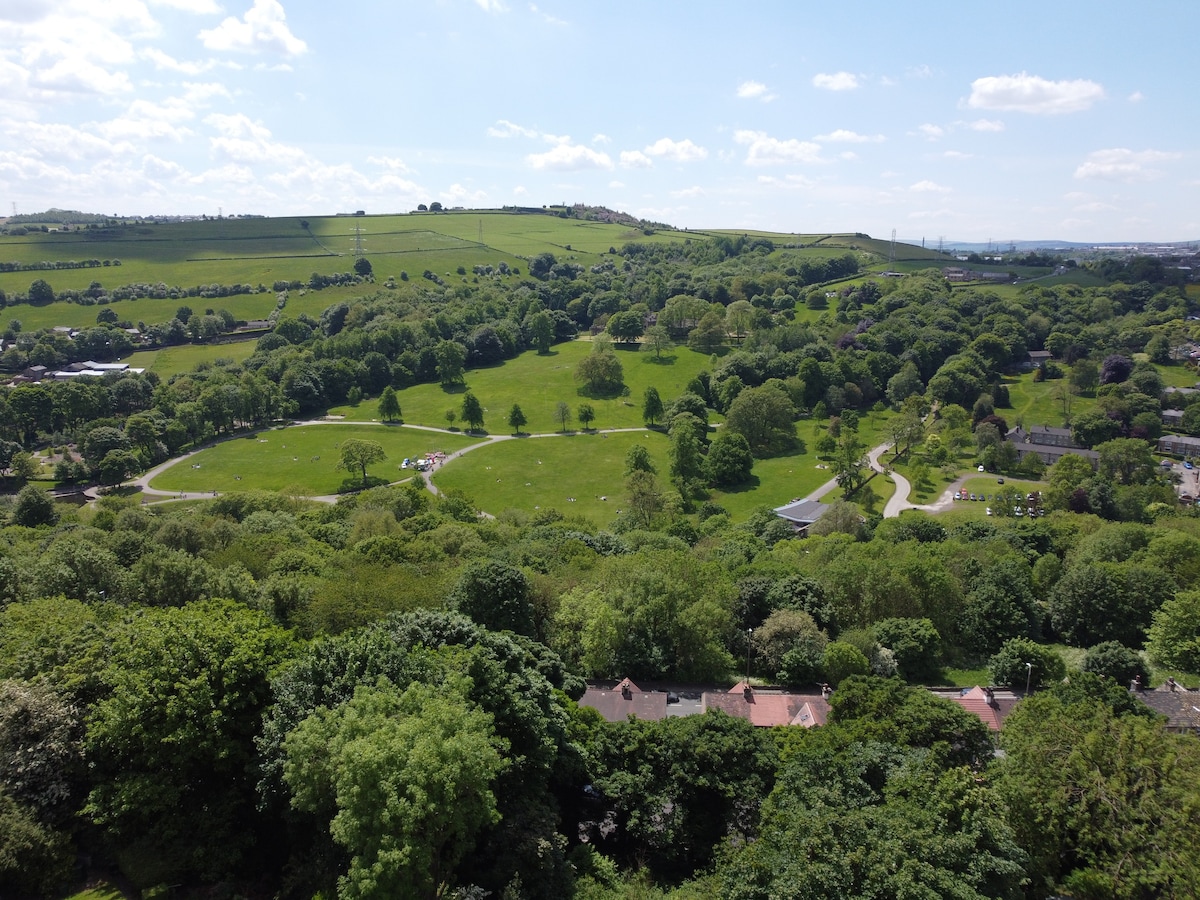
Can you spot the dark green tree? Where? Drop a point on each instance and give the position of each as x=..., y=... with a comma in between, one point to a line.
x=472, y=412
x=516, y=419
x=389, y=405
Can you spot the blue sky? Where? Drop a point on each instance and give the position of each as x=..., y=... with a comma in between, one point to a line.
x=1052, y=120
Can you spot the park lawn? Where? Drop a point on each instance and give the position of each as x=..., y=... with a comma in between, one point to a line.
x=546, y=472
x=168, y=361
x=1033, y=403
x=302, y=459
x=774, y=482
x=1178, y=375
x=538, y=383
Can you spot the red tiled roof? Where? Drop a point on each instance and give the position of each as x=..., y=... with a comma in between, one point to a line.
x=761, y=709
x=991, y=714
x=813, y=712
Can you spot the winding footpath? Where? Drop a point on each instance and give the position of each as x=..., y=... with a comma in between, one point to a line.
x=895, y=505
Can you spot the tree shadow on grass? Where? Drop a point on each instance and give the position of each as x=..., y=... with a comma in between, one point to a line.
x=745, y=487
x=666, y=359
x=459, y=387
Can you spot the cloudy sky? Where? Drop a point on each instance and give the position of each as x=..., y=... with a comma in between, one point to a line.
x=1050, y=120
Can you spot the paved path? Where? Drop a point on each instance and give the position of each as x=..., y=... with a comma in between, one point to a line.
x=895, y=505
x=143, y=481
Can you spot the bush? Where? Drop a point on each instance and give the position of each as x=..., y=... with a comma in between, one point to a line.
x=916, y=645
x=841, y=660
x=1116, y=661
x=1010, y=666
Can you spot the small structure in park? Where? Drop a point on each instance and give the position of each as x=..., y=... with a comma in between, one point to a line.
x=802, y=514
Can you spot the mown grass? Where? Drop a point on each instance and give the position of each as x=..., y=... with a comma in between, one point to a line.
x=538, y=383
x=301, y=460
x=569, y=473
x=169, y=361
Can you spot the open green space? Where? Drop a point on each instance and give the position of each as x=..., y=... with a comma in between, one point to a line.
x=168, y=361
x=301, y=460
x=547, y=472
x=538, y=383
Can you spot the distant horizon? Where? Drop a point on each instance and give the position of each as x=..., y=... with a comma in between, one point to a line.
x=1041, y=119
x=949, y=244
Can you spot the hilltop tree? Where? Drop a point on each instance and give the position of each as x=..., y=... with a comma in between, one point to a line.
x=652, y=406
x=472, y=412
x=362, y=266
x=516, y=419
x=657, y=339
x=451, y=359
x=40, y=293
x=562, y=413
x=600, y=371
x=765, y=417
x=358, y=454
x=586, y=415
x=541, y=331
x=389, y=405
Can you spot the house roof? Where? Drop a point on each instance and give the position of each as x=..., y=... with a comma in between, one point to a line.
x=992, y=710
x=1181, y=707
x=758, y=707
x=813, y=712
x=625, y=700
x=802, y=512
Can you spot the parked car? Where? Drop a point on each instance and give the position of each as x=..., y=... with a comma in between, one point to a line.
x=1187, y=464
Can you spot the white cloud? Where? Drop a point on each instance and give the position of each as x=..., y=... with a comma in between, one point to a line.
x=546, y=17
x=616, y=185
x=694, y=191
x=601, y=139
x=956, y=154
x=147, y=120
x=264, y=27
x=921, y=71
x=768, y=151
x=1121, y=164
x=506, y=129
x=928, y=187
x=246, y=141
x=1136, y=97
x=568, y=157
x=842, y=136
x=168, y=63
x=1032, y=94
x=838, y=81
x=635, y=159
x=457, y=195
x=755, y=90
x=987, y=125
x=76, y=75
x=65, y=142
x=193, y=6
x=931, y=132
x=519, y=191
x=390, y=163
x=676, y=151
x=848, y=155
x=491, y=6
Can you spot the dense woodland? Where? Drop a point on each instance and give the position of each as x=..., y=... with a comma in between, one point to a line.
x=263, y=696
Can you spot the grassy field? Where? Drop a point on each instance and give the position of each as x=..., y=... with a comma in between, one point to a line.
x=547, y=472
x=301, y=460
x=539, y=383
x=257, y=251
x=169, y=361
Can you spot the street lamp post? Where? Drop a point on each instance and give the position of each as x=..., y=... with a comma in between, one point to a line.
x=749, y=631
x=1028, y=676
